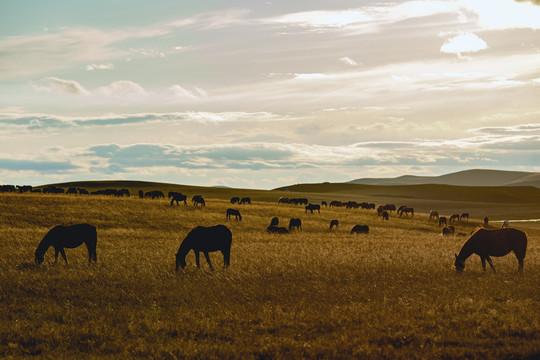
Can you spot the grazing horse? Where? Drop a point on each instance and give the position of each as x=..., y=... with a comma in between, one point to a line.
x=464, y=216
x=454, y=217
x=198, y=200
x=406, y=211
x=486, y=243
x=324, y=203
x=235, y=200
x=295, y=223
x=205, y=239
x=434, y=215
x=277, y=230
x=70, y=237
x=385, y=215
x=234, y=212
x=334, y=223
x=442, y=220
x=245, y=200
x=312, y=207
x=274, y=221
x=448, y=230
x=178, y=197
x=360, y=229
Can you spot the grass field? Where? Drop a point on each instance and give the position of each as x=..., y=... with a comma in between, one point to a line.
x=314, y=294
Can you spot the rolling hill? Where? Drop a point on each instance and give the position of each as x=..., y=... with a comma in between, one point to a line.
x=475, y=177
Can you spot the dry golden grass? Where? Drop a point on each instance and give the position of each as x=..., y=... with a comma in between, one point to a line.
x=313, y=294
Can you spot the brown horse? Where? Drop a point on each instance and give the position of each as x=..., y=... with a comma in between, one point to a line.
x=486, y=243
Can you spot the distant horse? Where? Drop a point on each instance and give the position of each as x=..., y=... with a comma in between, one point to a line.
x=464, y=216
x=389, y=207
x=324, y=203
x=486, y=221
x=72, y=190
x=407, y=211
x=400, y=209
x=274, y=221
x=448, y=230
x=70, y=237
x=454, y=217
x=277, y=230
x=235, y=200
x=360, y=229
x=486, y=243
x=245, y=200
x=380, y=210
x=284, y=200
x=178, y=197
x=312, y=207
x=442, y=220
x=198, y=200
x=505, y=224
x=434, y=215
x=205, y=239
x=234, y=212
x=141, y=194
x=334, y=223
x=385, y=215
x=295, y=223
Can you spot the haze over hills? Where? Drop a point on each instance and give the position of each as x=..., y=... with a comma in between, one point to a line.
x=475, y=177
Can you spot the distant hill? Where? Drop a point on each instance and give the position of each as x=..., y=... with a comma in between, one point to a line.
x=462, y=178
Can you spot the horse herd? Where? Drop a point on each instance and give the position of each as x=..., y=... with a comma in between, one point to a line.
x=483, y=242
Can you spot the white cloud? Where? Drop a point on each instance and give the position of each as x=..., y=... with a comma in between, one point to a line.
x=121, y=88
x=181, y=92
x=56, y=85
x=348, y=61
x=315, y=76
x=463, y=44
x=505, y=14
x=91, y=67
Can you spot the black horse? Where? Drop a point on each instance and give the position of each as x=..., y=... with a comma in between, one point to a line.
x=205, y=239
x=442, y=220
x=235, y=200
x=312, y=207
x=486, y=243
x=334, y=223
x=295, y=223
x=245, y=200
x=385, y=215
x=178, y=197
x=360, y=229
x=234, y=212
x=198, y=200
x=274, y=221
x=70, y=237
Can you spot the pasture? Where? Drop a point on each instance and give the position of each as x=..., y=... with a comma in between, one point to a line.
x=315, y=293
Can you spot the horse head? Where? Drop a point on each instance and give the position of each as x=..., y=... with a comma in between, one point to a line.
x=459, y=264
x=39, y=258
x=180, y=261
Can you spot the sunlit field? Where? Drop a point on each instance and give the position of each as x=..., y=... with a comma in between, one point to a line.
x=392, y=293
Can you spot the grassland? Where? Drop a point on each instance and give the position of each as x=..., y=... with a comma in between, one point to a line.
x=313, y=294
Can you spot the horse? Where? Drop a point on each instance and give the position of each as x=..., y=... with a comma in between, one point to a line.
x=486, y=243
x=407, y=211
x=205, y=239
x=235, y=200
x=295, y=223
x=245, y=200
x=178, y=197
x=385, y=215
x=360, y=229
x=442, y=220
x=448, y=230
x=277, y=230
x=334, y=223
x=434, y=215
x=454, y=217
x=486, y=221
x=464, y=216
x=234, y=212
x=505, y=224
x=198, y=200
x=400, y=209
x=274, y=221
x=380, y=210
x=70, y=237
x=324, y=203
x=312, y=207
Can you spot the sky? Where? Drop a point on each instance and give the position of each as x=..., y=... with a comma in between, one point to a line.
x=262, y=94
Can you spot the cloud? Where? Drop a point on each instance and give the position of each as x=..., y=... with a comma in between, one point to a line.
x=348, y=61
x=463, y=44
x=121, y=88
x=36, y=165
x=505, y=14
x=91, y=67
x=181, y=92
x=56, y=85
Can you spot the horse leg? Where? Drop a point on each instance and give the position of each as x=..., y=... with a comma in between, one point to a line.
x=63, y=253
x=226, y=258
x=208, y=259
x=483, y=262
x=56, y=251
x=490, y=263
x=197, y=260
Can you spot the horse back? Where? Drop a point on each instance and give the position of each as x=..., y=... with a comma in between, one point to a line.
x=72, y=236
x=213, y=238
x=501, y=242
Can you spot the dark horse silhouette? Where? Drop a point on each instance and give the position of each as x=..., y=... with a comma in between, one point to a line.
x=334, y=223
x=234, y=212
x=360, y=229
x=61, y=237
x=312, y=207
x=178, y=197
x=198, y=200
x=235, y=200
x=385, y=215
x=205, y=239
x=277, y=230
x=295, y=223
x=406, y=211
x=486, y=243
x=442, y=220
x=274, y=221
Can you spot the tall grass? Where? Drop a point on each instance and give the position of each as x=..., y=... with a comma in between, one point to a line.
x=312, y=294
